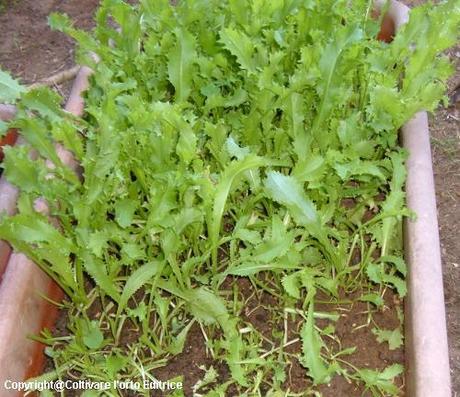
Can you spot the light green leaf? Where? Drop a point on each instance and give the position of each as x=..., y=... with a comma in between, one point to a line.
x=392, y=371
x=124, y=212
x=136, y=280
x=328, y=68
x=180, y=64
x=59, y=22
x=206, y=306
x=209, y=377
x=251, y=236
x=96, y=269
x=10, y=89
x=250, y=268
x=393, y=203
x=397, y=262
x=240, y=46
x=376, y=299
x=382, y=380
x=309, y=168
x=286, y=190
x=186, y=145
x=140, y=311
x=98, y=242
x=44, y=101
x=222, y=191
x=35, y=131
x=292, y=285
x=236, y=150
x=92, y=335
x=397, y=282
x=20, y=170
x=393, y=338
x=65, y=133
x=114, y=364
x=311, y=351
x=179, y=341
x=276, y=246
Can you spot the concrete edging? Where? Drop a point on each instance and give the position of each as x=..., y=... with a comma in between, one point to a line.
x=427, y=351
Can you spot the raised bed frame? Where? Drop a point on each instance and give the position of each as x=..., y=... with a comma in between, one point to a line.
x=23, y=285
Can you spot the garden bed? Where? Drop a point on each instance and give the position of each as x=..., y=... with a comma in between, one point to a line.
x=353, y=318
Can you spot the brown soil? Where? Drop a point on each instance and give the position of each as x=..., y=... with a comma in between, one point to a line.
x=31, y=51
x=262, y=312
x=445, y=130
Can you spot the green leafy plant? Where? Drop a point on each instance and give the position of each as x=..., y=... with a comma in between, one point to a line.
x=219, y=142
